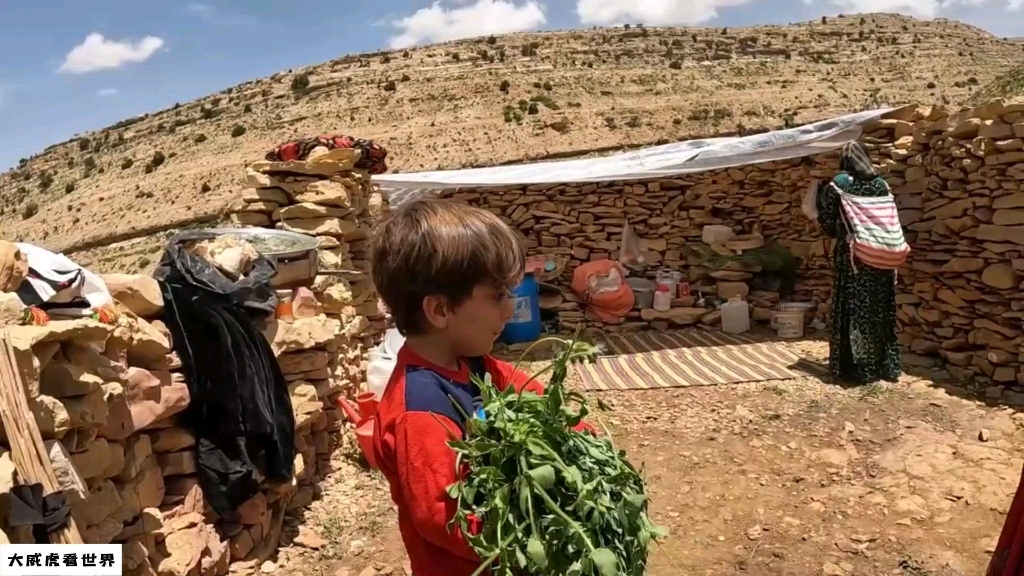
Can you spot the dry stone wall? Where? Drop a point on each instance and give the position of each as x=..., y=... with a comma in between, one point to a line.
x=328, y=198
x=105, y=396
x=576, y=223
x=957, y=179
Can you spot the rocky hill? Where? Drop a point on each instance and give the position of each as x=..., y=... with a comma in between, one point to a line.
x=112, y=195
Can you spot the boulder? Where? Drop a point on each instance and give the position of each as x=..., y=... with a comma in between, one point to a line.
x=138, y=293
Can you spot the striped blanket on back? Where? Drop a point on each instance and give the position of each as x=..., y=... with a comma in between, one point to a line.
x=874, y=231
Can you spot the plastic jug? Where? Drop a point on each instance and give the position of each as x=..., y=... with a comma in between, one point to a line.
x=663, y=298
x=525, y=325
x=735, y=316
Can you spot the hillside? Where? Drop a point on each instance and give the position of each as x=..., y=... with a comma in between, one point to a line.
x=484, y=101
x=1009, y=84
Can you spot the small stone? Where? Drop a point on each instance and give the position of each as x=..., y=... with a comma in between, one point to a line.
x=268, y=567
x=754, y=533
x=304, y=304
x=309, y=539
x=830, y=569
x=983, y=435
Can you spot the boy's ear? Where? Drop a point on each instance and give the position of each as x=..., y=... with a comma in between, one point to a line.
x=436, y=310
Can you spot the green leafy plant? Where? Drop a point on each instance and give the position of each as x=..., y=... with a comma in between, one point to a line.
x=552, y=500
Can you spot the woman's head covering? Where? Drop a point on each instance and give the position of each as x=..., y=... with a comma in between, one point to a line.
x=854, y=160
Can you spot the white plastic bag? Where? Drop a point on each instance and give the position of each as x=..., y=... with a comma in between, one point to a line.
x=630, y=252
x=810, y=203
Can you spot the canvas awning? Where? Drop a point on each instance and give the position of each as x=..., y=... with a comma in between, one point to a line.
x=651, y=162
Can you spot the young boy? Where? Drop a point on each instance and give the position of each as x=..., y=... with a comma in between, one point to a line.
x=444, y=270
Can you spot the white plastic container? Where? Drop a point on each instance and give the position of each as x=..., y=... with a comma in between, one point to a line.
x=790, y=319
x=789, y=323
x=669, y=277
x=716, y=234
x=663, y=298
x=735, y=316
x=379, y=366
x=392, y=343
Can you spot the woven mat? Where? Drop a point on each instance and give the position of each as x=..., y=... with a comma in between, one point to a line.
x=648, y=360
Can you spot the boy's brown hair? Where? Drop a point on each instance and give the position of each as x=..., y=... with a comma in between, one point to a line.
x=433, y=247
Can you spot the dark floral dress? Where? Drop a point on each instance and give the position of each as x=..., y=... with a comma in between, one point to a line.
x=863, y=347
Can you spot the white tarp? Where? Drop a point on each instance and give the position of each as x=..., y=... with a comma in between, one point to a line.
x=653, y=162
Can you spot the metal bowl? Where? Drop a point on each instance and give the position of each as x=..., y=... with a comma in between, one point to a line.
x=302, y=244
x=296, y=266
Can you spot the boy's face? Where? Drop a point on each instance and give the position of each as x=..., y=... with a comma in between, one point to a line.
x=474, y=325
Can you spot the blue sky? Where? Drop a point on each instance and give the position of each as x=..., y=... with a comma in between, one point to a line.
x=69, y=67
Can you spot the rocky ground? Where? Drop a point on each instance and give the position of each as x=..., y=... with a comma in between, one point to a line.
x=789, y=477
x=481, y=102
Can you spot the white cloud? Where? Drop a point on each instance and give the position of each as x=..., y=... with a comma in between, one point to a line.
x=99, y=53
x=651, y=12
x=106, y=92
x=438, y=23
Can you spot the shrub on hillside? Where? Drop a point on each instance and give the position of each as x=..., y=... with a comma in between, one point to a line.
x=45, y=180
x=158, y=158
x=300, y=83
x=69, y=187
x=200, y=138
x=89, y=163
x=127, y=163
x=237, y=131
x=30, y=210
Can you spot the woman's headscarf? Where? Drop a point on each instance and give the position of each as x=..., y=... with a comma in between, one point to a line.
x=854, y=160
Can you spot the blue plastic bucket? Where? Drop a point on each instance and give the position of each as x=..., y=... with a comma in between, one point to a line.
x=524, y=326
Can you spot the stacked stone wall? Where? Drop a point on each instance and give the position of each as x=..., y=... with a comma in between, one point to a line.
x=956, y=176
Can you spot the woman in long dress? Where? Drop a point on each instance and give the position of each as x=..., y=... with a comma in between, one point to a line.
x=863, y=346
x=1008, y=558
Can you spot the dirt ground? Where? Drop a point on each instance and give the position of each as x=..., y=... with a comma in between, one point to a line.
x=785, y=477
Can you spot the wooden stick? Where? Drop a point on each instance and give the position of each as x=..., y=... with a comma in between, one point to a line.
x=27, y=449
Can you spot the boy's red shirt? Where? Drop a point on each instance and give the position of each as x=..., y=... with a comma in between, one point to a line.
x=415, y=422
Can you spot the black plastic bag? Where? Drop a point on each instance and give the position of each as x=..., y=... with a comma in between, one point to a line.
x=252, y=291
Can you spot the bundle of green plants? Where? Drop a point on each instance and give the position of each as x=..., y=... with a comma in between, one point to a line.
x=550, y=499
